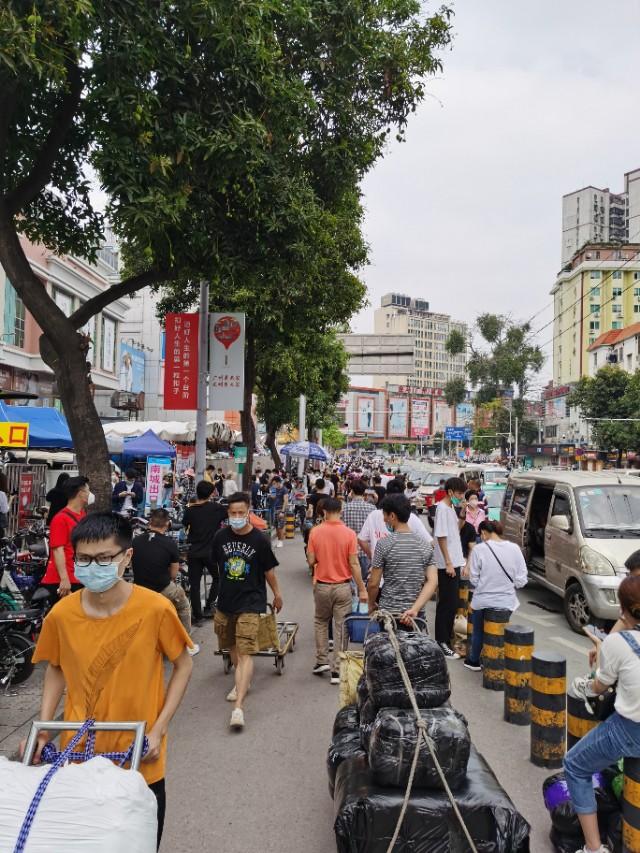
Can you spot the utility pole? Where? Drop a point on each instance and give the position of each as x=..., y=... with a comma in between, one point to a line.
x=517, y=426
x=203, y=359
x=302, y=429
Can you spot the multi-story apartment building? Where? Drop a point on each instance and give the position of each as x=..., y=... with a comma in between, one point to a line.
x=433, y=366
x=597, y=291
x=70, y=281
x=617, y=348
x=592, y=215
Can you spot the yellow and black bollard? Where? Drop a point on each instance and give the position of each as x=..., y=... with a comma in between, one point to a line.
x=495, y=620
x=548, y=709
x=463, y=598
x=290, y=524
x=631, y=806
x=579, y=720
x=518, y=649
x=469, y=630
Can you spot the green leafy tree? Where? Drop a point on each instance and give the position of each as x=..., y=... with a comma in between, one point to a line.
x=608, y=396
x=333, y=437
x=455, y=392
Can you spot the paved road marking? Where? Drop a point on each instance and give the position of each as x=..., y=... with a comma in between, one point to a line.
x=571, y=645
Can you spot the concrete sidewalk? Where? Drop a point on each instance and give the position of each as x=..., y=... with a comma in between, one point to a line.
x=17, y=709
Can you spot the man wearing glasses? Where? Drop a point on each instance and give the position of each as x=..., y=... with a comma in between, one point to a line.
x=106, y=644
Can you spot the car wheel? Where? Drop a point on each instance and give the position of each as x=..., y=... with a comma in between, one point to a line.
x=576, y=608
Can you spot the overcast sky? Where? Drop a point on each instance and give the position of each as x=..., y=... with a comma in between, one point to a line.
x=535, y=100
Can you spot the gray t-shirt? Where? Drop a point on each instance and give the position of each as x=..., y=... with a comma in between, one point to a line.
x=404, y=559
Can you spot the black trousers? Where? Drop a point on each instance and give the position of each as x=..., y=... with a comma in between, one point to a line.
x=159, y=790
x=447, y=605
x=53, y=589
x=196, y=566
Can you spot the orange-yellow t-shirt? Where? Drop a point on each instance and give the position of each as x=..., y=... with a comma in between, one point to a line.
x=333, y=543
x=113, y=667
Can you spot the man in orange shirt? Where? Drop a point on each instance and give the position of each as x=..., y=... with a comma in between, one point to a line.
x=106, y=645
x=332, y=553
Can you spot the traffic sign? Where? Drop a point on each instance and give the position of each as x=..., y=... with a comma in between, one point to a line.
x=458, y=433
x=240, y=454
x=14, y=434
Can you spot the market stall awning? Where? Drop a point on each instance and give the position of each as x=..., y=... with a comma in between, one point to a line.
x=178, y=431
x=148, y=444
x=47, y=427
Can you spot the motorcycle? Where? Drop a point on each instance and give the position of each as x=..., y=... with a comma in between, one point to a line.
x=16, y=649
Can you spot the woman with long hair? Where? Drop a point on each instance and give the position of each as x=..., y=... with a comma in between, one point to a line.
x=497, y=570
x=57, y=496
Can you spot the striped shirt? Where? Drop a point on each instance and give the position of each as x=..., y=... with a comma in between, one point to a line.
x=354, y=515
x=404, y=559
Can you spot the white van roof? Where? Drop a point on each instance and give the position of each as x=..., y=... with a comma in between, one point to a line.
x=571, y=478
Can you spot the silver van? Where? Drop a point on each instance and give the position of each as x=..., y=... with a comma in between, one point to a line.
x=576, y=529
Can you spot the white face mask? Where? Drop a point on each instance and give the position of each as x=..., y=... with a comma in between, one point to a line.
x=92, y=499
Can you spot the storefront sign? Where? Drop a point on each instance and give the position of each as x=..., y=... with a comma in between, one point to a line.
x=157, y=468
x=226, y=359
x=25, y=497
x=14, y=434
x=420, y=418
x=181, y=362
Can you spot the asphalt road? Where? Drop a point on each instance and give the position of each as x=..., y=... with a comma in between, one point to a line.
x=266, y=788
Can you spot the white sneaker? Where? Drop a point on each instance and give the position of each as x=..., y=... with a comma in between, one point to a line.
x=449, y=652
x=280, y=544
x=232, y=695
x=237, y=719
x=602, y=849
x=194, y=650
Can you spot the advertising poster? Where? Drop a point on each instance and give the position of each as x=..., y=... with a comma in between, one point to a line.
x=556, y=408
x=465, y=414
x=181, y=362
x=398, y=417
x=441, y=415
x=365, y=410
x=25, y=497
x=185, y=458
x=108, y=345
x=226, y=359
x=420, y=418
x=157, y=468
x=131, y=369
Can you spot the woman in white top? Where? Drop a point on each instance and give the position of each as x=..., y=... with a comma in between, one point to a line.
x=497, y=570
x=619, y=735
x=230, y=486
x=4, y=503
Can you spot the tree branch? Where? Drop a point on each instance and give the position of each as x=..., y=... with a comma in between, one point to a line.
x=42, y=169
x=8, y=101
x=125, y=288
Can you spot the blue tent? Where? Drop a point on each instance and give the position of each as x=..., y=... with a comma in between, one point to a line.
x=47, y=427
x=147, y=444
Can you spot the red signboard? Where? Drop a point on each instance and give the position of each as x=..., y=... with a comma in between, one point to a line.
x=25, y=497
x=181, y=362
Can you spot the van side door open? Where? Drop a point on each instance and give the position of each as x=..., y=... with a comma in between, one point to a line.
x=561, y=547
x=516, y=516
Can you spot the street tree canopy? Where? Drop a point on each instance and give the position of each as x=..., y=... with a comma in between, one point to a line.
x=611, y=393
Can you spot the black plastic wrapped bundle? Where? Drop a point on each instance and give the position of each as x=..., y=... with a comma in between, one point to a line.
x=425, y=664
x=346, y=744
x=392, y=746
x=368, y=713
x=347, y=719
x=362, y=690
x=564, y=820
x=366, y=814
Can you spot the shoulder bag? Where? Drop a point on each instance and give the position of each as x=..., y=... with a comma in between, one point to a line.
x=499, y=562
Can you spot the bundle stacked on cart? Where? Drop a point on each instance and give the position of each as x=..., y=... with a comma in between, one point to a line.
x=370, y=775
x=566, y=835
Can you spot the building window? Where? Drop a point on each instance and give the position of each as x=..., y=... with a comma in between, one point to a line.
x=636, y=292
x=617, y=309
x=64, y=301
x=595, y=308
x=636, y=309
x=617, y=274
x=636, y=276
x=108, y=345
x=616, y=292
x=551, y=431
x=14, y=315
x=594, y=325
x=595, y=274
x=617, y=324
x=595, y=291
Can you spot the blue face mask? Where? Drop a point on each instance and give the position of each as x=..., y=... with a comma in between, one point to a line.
x=97, y=578
x=390, y=528
x=238, y=523
x=456, y=501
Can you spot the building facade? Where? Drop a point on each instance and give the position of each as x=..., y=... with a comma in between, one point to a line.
x=593, y=215
x=598, y=291
x=400, y=314
x=619, y=348
x=70, y=281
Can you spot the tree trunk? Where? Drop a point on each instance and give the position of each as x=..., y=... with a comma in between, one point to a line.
x=74, y=386
x=246, y=417
x=273, y=447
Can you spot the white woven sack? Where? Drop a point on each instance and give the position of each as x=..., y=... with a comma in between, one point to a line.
x=93, y=807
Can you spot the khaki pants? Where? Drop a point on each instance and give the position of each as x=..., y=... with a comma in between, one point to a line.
x=178, y=597
x=333, y=601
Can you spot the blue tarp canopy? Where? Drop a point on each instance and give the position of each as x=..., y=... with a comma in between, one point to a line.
x=147, y=444
x=47, y=427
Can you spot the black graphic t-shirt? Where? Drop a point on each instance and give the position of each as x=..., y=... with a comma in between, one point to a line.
x=243, y=561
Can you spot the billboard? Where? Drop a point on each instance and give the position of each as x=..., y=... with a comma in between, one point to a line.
x=131, y=369
x=181, y=363
x=465, y=414
x=420, y=418
x=226, y=359
x=556, y=407
x=398, y=417
x=441, y=415
x=365, y=413
x=157, y=468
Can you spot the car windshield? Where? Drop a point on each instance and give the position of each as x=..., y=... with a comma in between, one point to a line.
x=494, y=497
x=495, y=476
x=433, y=478
x=609, y=510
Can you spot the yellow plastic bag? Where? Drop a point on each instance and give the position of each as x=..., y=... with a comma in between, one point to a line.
x=351, y=668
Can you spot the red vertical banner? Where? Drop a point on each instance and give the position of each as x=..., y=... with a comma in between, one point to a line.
x=25, y=497
x=181, y=362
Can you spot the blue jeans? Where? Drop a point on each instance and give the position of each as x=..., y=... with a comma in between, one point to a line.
x=477, y=617
x=365, y=564
x=613, y=739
